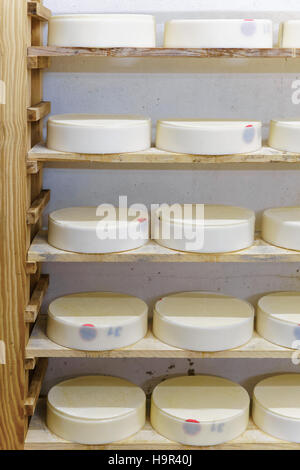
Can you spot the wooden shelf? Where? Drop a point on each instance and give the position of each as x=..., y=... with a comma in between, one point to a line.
x=40, y=153
x=38, y=11
x=40, y=345
x=53, y=51
x=40, y=438
x=41, y=251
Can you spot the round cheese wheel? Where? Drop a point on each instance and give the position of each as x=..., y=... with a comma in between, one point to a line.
x=97, y=321
x=289, y=34
x=98, y=134
x=104, y=30
x=219, y=33
x=203, y=321
x=281, y=227
x=285, y=135
x=278, y=318
x=203, y=228
x=199, y=410
x=199, y=137
x=95, y=409
x=81, y=230
x=276, y=406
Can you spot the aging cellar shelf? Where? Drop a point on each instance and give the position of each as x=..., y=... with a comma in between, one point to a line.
x=41, y=251
x=237, y=53
x=40, y=345
x=40, y=438
x=40, y=153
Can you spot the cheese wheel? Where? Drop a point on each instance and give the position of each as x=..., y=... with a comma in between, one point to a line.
x=97, y=321
x=278, y=318
x=203, y=228
x=289, y=34
x=98, y=134
x=200, y=137
x=95, y=409
x=217, y=33
x=285, y=135
x=199, y=410
x=81, y=230
x=276, y=406
x=104, y=30
x=281, y=227
x=203, y=321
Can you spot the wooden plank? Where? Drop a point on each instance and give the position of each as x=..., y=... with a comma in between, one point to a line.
x=38, y=62
x=38, y=206
x=33, y=308
x=31, y=267
x=40, y=345
x=35, y=387
x=271, y=53
x=39, y=111
x=38, y=11
x=33, y=167
x=40, y=153
x=39, y=437
x=30, y=363
x=13, y=196
x=260, y=251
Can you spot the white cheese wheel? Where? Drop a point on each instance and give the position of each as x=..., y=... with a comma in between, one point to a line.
x=281, y=227
x=285, y=135
x=199, y=410
x=276, y=406
x=289, y=34
x=203, y=321
x=203, y=228
x=224, y=33
x=97, y=321
x=98, y=134
x=81, y=230
x=95, y=409
x=213, y=137
x=104, y=30
x=278, y=318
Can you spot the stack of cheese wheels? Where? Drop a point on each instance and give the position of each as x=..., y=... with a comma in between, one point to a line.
x=97, y=230
x=281, y=227
x=105, y=30
x=199, y=410
x=276, y=406
x=285, y=135
x=224, y=33
x=203, y=321
x=278, y=318
x=203, y=228
x=97, y=321
x=95, y=409
x=98, y=134
x=289, y=34
x=200, y=137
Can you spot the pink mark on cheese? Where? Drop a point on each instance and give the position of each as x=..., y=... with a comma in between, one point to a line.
x=192, y=421
x=249, y=125
x=89, y=325
x=248, y=19
x=141, y=220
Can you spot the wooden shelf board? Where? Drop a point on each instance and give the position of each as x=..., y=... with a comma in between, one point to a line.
x=40, y=153
x=237, y=53
x=40, y=345
x=41, y=251
x=40, y=438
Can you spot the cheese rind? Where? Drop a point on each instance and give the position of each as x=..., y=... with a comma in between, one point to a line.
x=278, y=318
x=219, y=33
x=213, y=137
x=281, y=227
x=98, y=134
x=95, y=409
x=81, y=230
x=97, y=321
x=289, y=34
x=102, y=30
x=276, y=406
x=285, y=135
x=199, y=410
x=203, y=228
x=203, y=321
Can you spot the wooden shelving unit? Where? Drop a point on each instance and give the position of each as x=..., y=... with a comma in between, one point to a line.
x=24, y=246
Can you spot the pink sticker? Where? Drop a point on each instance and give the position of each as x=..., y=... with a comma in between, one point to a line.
x=249, y=125
x=142, y=220
x=248, y=19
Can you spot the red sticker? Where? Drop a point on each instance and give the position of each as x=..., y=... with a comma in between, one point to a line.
x=249, y=125
x=89, y=325
x=142, y=220
x=192, y=421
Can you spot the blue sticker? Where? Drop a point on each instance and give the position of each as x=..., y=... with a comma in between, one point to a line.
x=248, y=27
x=297, y=332
x=192, y=427
x=248, y=134
x=88, y=332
